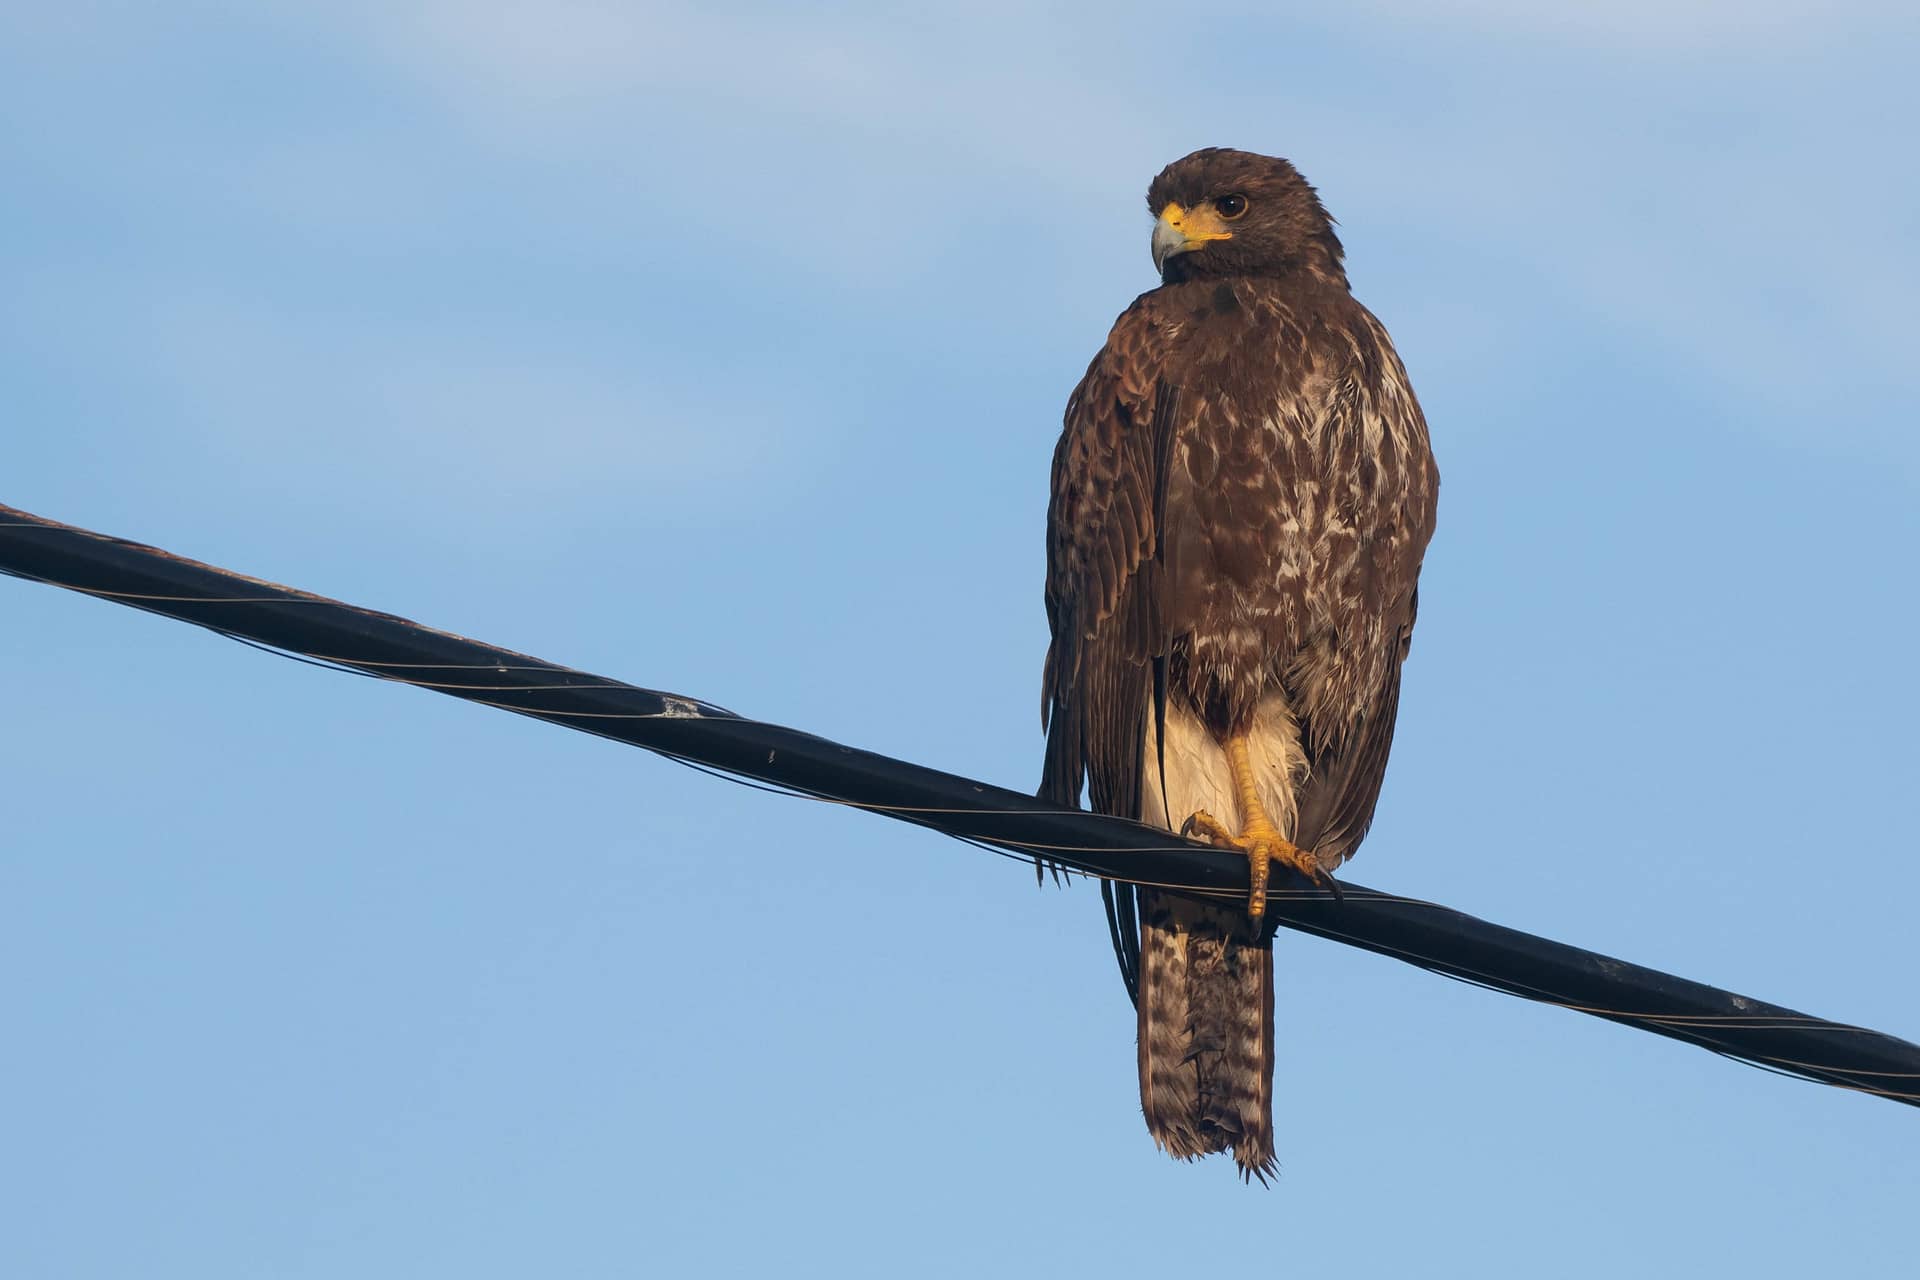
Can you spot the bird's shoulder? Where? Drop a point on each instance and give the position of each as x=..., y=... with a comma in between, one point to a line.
x=1105, y=467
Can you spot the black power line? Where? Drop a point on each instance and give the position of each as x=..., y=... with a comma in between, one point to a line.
x=1421, y=933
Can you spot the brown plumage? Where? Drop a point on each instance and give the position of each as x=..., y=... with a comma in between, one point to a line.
x=1242, y=495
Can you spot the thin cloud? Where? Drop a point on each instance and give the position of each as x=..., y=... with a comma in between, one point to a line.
x=1651, y=27
x=885, y=152
x=451, y=419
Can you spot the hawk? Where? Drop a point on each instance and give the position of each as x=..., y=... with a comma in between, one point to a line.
x=1242, y=495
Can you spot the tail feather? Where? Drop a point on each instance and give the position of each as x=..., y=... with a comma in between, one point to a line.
x=1243, y=1092
x=1169, y=1076
x=1206, y=1032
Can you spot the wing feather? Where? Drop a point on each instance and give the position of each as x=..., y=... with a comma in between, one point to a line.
x=1106, y=667
x=1104, y=602
x=1349, y=688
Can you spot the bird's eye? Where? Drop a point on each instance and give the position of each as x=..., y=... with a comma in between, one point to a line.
x=1232, y=206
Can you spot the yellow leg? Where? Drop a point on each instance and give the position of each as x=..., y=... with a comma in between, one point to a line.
x=1259, y=839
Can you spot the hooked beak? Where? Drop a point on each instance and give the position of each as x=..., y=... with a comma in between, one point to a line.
x=1179, y=230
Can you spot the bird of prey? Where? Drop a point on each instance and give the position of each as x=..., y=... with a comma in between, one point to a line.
x=1242, y=495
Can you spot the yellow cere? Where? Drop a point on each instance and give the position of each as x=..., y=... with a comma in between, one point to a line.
x=1203, y=223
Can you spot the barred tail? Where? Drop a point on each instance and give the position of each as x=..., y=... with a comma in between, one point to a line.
x=1206, y=1032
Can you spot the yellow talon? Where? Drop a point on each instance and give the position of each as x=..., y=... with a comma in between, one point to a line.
x=1259, y=839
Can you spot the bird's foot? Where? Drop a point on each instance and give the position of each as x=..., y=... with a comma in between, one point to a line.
x=1264, y=845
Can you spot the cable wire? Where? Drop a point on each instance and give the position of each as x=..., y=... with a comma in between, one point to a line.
x=342, y=637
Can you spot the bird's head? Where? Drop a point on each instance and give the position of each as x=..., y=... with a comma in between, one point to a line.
x=1220, y=213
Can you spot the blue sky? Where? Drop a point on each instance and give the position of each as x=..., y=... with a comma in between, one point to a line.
x=722, y=349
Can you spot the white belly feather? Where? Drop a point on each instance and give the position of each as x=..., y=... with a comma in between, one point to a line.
x=1198, y=776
